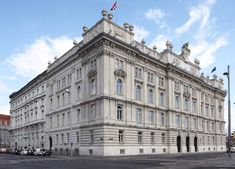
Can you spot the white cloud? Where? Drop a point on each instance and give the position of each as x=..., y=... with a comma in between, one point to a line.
x=157, y=15
x=160, y=42
x=140, y=33
x=201, y=14
x=206, y=51
x=34, y=58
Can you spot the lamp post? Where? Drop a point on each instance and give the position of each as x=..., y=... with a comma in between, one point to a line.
x=229, y=113
x=70, y=135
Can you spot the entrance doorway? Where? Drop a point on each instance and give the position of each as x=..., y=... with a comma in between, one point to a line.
x=178, y=144
x=50, y=141
x=195, y=144
x=187, y=143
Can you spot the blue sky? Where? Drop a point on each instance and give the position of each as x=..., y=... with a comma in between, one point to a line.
x=33, y=32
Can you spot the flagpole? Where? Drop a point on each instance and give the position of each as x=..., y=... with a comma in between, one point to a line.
x=229, y=113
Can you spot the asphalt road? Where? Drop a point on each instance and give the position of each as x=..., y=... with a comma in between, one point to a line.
x=166, y=161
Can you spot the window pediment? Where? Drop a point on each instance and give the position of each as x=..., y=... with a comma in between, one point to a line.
x=120, y=72
x=187, y=94
x=91, y=73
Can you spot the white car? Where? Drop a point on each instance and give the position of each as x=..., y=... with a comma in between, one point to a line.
x=39, y=151
x=24, y=152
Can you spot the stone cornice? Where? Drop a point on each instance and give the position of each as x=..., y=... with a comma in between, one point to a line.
x=29, y=86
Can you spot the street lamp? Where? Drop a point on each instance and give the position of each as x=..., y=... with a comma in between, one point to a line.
x=70, y=135
x=229, y=113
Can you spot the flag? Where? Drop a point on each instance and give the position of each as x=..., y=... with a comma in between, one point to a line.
x=114, y=6
x=214, y=69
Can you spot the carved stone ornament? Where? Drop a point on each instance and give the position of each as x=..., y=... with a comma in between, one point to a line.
x=120, y=72
x=186, y=94
x=220, y=106
x=91, y=73
x=176, y=61
x=185, y=51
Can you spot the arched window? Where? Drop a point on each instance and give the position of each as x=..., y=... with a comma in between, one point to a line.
x=93, y=86
x=79, y=92
x=138, y=92
x=150, y=96
x=186, y=103
x=119, y=87
x=177, y=102
x=161, y=99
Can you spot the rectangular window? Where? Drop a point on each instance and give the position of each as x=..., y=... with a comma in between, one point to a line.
x=119, y=112
x=62, y=119
x=194, y=107
x=51, y=122
x=58, y=120
x=177, y=120
x=186, y=89
x=194, y=93
x=186, y=122
x=78, y=115
x=177, y=86
x=207, y=126
x=120, y=136
x=93, y=64
x=151, y=117
x=119, y=64
x=150, y=77
x=194, y=123
x=68, y=139
x=162, y=119
x=207, y=110
x=92, y=112
x=212, y=127
x=62, y=139
x=57, y=139
x=152, y=137
x=140, y=137
x=77, y=137
x=138, y=116
x=163, y=138
x=91, y=136
x=138, y=72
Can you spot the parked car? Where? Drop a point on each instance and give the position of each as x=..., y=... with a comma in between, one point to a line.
x=42, y=152
x=30, y=152
x=232, y=149
x=25, y=152
x=18, y=152
x=47, y=153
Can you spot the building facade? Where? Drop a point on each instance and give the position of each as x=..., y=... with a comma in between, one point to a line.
x=27, y=110
x=112, y=95
x=4, y=133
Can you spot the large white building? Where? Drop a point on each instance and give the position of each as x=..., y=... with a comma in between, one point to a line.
x=112, y=95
